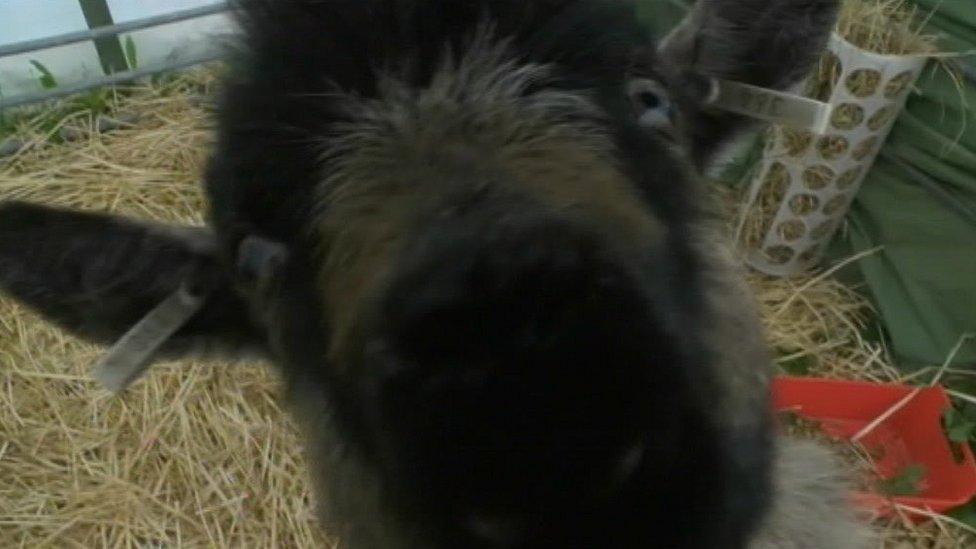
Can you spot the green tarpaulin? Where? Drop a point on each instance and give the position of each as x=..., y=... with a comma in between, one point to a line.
x=918, y=203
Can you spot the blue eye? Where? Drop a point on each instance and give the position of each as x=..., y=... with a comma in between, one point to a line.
x=651, y=103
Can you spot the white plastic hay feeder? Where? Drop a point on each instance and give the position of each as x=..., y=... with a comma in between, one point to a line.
x=809, y=179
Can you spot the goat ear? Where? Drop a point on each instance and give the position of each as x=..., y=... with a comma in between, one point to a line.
x=766, y=43
x=98, y=275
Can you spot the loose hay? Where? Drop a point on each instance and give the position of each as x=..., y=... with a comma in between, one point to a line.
x=196, y=455
x=201, y=455
x=889, y=27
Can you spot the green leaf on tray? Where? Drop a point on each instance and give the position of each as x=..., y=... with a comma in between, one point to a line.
x=905, y=483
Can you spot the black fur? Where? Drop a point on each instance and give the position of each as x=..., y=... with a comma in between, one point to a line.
x=519, y=374
x=764, y=43
x=286, y=106
x=516, y=375
x=297, y=55
x=97, y=275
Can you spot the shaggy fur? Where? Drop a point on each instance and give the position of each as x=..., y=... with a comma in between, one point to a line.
x=764, y=43
x=809, y=492
x=97, y=275
x=494, y=295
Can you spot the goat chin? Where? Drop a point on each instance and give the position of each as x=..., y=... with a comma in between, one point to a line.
x=809, y=503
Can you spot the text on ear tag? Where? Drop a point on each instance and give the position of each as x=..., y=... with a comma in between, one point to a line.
x=771, y=105
x=132, y=354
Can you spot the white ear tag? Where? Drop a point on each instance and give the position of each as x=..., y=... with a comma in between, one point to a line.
x=771, y=105
x=132, y=354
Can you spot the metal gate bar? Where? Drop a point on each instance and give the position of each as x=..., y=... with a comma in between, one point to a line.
x=107, y=80
x=100, y=32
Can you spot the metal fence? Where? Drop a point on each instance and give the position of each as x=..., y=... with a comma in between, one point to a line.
x=117, y=72
x=109, y=32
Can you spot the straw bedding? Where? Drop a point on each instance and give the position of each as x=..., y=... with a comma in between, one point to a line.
x=201, y=455
x=195, y=454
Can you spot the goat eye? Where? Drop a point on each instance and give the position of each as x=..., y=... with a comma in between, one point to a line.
x=649, y=100
x=651, y=103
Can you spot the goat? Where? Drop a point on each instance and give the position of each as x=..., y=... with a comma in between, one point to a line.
x=472, y=236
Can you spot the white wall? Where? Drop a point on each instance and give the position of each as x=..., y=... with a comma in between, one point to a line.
x=179, y=40
x=30, y=19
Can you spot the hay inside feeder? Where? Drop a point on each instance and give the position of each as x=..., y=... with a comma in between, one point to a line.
x=759, y=218
x=878, y=26
x=847, y=116
x=818, y=177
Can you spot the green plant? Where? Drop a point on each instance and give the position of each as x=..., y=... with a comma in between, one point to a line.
x=960, y=419
x=47, y=79
x=966, y=514
x=960, y=423
x=131, y=56
x=905, y=483
x=96, y=102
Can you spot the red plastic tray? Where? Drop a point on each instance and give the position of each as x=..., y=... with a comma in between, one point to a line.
x=912, y=435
